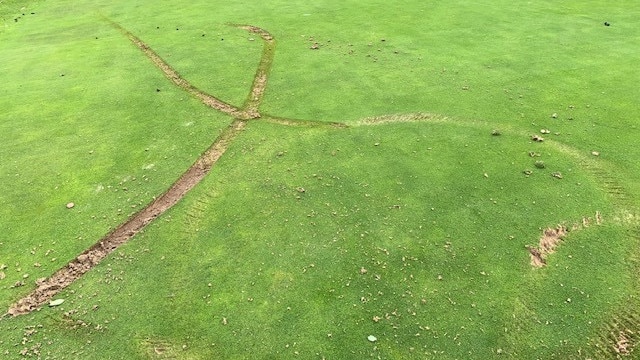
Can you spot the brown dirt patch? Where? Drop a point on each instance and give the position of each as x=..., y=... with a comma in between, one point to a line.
x=549, y=240
x=553, y=236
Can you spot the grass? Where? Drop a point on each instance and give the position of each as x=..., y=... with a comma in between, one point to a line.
x=303, y=241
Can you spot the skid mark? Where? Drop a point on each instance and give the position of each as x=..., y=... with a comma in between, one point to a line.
x=395, y=118
x=598, y=169
x=250, y=109
x=619, y=337
x=260, y=79
x=552, y=237
x=304, y=123
x=159, y=349
x=84, y=262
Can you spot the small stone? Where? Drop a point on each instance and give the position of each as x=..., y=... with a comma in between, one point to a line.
x=372, y=338
x=70, y=205
x=595, y=153
x=545, y=131
x=554, y=115
x=56, y=302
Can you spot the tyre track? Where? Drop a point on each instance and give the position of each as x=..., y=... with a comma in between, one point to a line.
x=84, y=262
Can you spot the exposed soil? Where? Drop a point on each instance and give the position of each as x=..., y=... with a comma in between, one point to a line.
x=84, y=262
x=549, y=240
x=209, y=100
x=262, y=74
x=552, y=237
x=304, y=123
x=402, y=118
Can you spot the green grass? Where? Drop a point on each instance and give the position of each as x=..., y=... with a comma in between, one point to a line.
x=248, y=265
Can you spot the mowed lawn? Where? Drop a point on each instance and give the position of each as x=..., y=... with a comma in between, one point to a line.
x=398, y=236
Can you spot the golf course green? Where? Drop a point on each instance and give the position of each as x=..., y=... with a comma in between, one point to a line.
x=321, y=180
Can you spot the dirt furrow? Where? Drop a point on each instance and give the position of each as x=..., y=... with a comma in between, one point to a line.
x=262, y=73
x=84, y=262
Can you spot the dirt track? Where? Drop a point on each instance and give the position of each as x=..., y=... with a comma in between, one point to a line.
x=84, y=262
